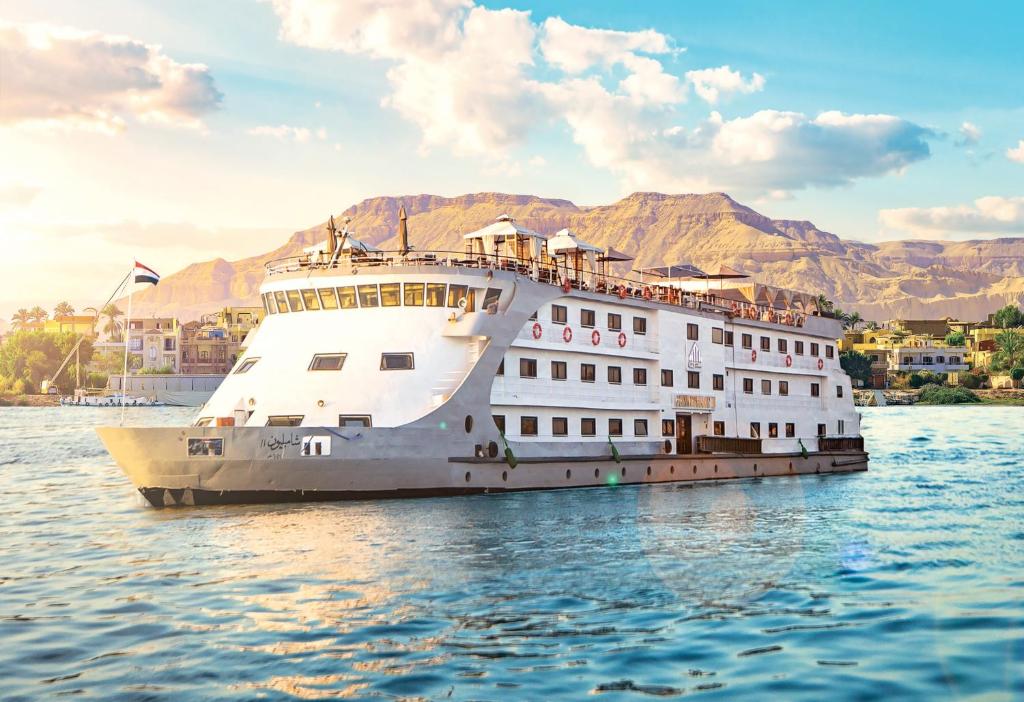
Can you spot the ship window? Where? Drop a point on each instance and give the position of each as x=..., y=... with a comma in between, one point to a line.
x=718, y=428
x=814, y=349
x=766, y=387
x=693, y=379
x=528, y=426
x=413, y=294
x=390, y=295
x=588, y=318
x=491, y=297
x=560, y=426
x=668, y=427
x=559, y=370
x=206, y=447
x=268, y=303
x=355, y=420
x=614, y=322
x=435, y=294
x=203, y=421
x=829, y=351
x=312, y=301
x=747, y=341
x=396, y=361
x=347, y=297
x=588, y=372
x=527, y=368
x=639, y=376
x=748, y=385
x=368, y=295
x=246, y=365
x=783, y=346
x=501, y=367
x=588, y=426
x=533, y=317
x=783, y=387
x=639, y=325
x=471, y=300
x=328, y=298
x=755, y=430
x=821, y=430
x=639, y=427
x=284, y=420
x=839, y=390
x=798, y=348
x=456, y=293
x=614, y=427
x=815, y=390
x=315, y=446
x=294, y=300
x=729, y=338
x=717, y=382
x=692, y=332
x=790, y=430
x=773, y=430
x=282, y=302
x=842, y=426
x=717, y=335
x=327, y=362
x=615, y=375
x=559, y=314
x=667, y=378
x=766, y=343
x=499, y=421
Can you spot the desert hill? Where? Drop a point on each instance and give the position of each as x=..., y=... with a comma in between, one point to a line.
x=910, y=279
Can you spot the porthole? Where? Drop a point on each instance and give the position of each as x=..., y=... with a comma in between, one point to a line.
x=319, y=403
x=597, y=472
x=672, y=470
x=648, y=470
x=791, y=465
x=623, y=472
x=695, y=470
x=755, y=466
x=492, y=449
x=504, y=475
x=716, y=467
x=668, y=445
x=468, y=476
x=568, y=474
x=469, y=423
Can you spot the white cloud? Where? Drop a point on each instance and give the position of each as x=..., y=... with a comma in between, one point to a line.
x=970, y=134
x=282, y=132
x=712, y=83
x=17, y=194
x=994, y=216
x=56, y=77
x=1017, y=154
x=478, y=81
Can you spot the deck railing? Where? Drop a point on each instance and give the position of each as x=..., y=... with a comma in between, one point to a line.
x=727, y=444
x=840, y=443
x=568, y=278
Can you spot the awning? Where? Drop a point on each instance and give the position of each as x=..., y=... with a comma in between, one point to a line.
x=565, y=241
x=679, y=270
x=612, y=255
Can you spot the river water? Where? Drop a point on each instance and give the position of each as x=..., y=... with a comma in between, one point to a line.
x=903, y=582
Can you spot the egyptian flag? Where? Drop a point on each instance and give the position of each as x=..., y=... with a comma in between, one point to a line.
x=145, y=274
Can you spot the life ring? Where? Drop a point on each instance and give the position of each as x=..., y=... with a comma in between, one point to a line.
x=753, y=355
x=622, y=292
x=735, y=309
x=789, y=360
x=537, y=330
x=567, y=334
x=788, y=319
x=566, y=285
x=821, y=364
x=595, y=337
x=622, y=339
x=647, y=292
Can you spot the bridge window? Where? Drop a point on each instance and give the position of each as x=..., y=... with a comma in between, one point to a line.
x=355, y=420
x=246, y=365
x=435, y=294
x=390, y=295
x=294, y=300
x=456, y=293
x=327, y=362
x=413, y=294
x=268, y=303
x=310, y=299
x=284, y=420
x=396, y=361
x=328, y=298
x=347, y=297
x=368, y=296
x=491, y=297
x=282, y=302
x=206, y=447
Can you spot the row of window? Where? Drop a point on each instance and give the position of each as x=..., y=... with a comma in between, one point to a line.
x=295, y=420
x=529, y=426
x=336, y=361
x=588, y=319
x=382, y=295
x=783, y=388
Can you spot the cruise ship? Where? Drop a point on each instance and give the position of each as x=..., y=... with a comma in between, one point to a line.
x=519, y=363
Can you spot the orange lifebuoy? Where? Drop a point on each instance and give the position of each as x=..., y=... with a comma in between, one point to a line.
x=595, y=337
x=622, y=339
x=753, y=355
x=647, y=292
x=821, y=364
x=566, y=285
x=789, y=360
x=622, y=292
x=567, y=334
x=537, y=330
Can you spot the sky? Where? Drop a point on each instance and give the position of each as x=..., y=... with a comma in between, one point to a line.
x=179, y=132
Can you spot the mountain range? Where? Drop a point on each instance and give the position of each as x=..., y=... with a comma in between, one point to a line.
x=910, y=279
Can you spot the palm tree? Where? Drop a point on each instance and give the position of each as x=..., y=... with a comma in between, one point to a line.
x=21, y=318
x=38, y=314
x=871, y=326
x=112, y=327
x=1010, y=345
x=63, y=309
x=853, y=320
x=95, y=317
x=823, y=303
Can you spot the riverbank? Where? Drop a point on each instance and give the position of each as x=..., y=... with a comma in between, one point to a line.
x=1001, y=397
x=29, y=400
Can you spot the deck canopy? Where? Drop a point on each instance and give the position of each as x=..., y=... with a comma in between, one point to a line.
x=574, y=252
x=506, y=239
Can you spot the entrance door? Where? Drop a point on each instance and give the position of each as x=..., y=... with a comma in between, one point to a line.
x=684, y=435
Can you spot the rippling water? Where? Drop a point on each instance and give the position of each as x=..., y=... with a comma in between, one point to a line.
x=903, y=582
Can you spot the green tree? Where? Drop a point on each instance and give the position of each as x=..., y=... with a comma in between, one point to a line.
x=63, y=309
x=955, y=339
x=871, y=326
x=34, y=356
x=823, y=303
x=21, y=318
x=112, y=327
x=856, y=365
x=1009, y=348
x=1008, y=317
x=853, y=320
x=38, y=314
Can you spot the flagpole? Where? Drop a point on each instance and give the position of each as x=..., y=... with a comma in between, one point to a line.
x=127, y=339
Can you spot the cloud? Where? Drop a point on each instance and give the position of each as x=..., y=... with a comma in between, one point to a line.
x=970, y=135
x=712, y=83
x=994, y=216
x=1017, y=154
x=285, y=132
x=17, y=194
x=57, y=77
x=479, y=81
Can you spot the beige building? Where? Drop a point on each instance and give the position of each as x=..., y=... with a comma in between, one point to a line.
x=211, y=346
x=154, y=343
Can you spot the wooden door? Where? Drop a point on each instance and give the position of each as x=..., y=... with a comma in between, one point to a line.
x=684, y=434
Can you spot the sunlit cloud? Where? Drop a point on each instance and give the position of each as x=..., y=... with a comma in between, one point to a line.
x=1016, y=154
x=986, y=216
x=284, y=132
x=713, y=83
x=969, y=134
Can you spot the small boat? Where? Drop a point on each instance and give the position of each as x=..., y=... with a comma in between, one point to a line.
x=107, y=401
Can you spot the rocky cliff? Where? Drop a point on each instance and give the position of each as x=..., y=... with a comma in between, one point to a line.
x=911, y=279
